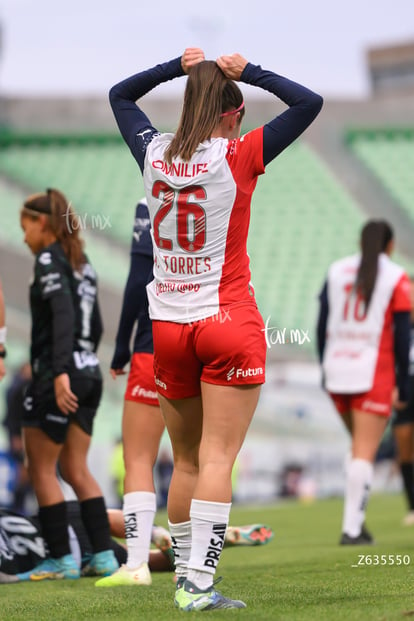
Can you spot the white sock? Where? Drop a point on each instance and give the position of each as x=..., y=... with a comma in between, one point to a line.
x=358, y=484
x=139, y=511
x=181, y=543
x=209, y=522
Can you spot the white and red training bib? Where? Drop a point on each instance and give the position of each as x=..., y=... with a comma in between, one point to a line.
x=358, y=339
x=200, y=214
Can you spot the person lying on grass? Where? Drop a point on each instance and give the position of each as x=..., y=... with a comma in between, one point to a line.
x=22, y=546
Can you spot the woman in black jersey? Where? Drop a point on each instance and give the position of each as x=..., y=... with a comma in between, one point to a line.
x=67, y=384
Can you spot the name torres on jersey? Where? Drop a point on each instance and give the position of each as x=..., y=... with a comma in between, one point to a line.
x=184, y=265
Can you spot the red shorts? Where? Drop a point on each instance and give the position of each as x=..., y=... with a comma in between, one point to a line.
x=377, y=401
x=141, y=385
x=227, y=349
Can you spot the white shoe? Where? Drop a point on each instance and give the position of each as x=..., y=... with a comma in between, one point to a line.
x=127, y=577
x=409, y=519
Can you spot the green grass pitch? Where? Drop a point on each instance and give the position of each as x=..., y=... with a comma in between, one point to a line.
x=302, y=575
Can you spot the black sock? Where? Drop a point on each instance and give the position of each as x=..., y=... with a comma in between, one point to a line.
x=54, y=524
x=95, y=520
x=407, y=473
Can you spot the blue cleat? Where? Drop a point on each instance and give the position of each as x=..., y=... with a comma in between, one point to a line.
x=101, y=564
x=52, y=569
x=189, y=598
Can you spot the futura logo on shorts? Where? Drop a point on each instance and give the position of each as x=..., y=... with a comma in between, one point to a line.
x=138, y=391
x=160, y=383
x=243, y=372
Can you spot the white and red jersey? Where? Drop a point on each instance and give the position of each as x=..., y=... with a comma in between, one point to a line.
x=200, y=214
x=360, y=344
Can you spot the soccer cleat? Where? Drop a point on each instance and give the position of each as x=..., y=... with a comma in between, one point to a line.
x=189, y=598
x=8, y=578
x=101, y=564
x=367, y=534
x=125, y=576
x=251, y=535
x=179, y=582
x=52, y=569
x=161, y=538
x=363, y=539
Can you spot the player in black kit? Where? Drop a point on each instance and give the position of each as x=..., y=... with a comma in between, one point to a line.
x=67, y=385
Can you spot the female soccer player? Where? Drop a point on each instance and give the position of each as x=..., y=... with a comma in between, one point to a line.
x=209, y=347
x=142, y=423
x=23, y=547
x=363, y=334
x=143, y=426
x=67, y=384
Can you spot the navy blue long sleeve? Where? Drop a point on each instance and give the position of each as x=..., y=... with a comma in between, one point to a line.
x=304, y=106
x=402, y=328
x=322, y=320
x=137, y=130
x=134, y=308
x=133, y=123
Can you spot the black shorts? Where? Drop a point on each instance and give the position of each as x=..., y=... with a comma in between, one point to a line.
x=41, y=409
x=403, y=417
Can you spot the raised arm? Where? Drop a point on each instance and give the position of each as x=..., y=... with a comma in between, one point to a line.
x=133, y=123
x=304, y=106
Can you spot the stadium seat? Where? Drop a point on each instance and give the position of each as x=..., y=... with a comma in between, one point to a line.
x=389, y=155
x=302, y=217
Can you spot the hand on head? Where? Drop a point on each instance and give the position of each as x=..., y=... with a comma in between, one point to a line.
x=232, y=66
x=191, y=56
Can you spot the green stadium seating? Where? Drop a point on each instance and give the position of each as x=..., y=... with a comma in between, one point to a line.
x=111, y=262
x=10, y=201
x=389, y=155
x=302, y=218
x=100, y=180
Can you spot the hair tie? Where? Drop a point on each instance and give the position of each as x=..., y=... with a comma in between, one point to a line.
x=233, y=111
